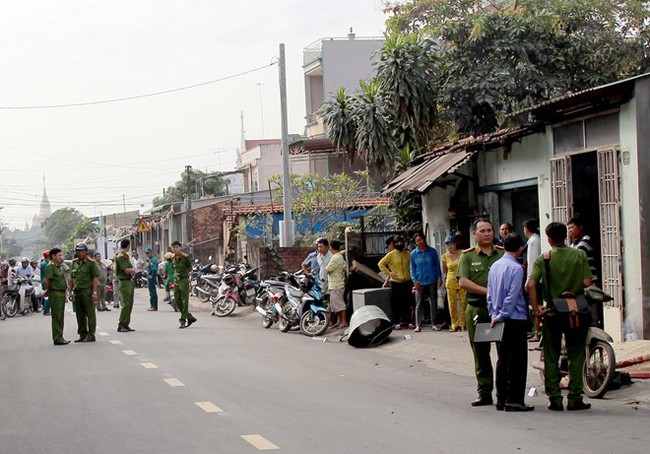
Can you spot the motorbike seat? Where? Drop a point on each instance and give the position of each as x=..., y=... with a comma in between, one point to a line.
x=273, y=283
x=295, y=292
x=212, y=277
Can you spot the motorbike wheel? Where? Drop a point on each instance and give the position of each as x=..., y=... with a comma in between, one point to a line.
x=267, y=321
x=314, y=323
x=11, y=305
x=203, y=297
x=225, y=307
x=174, y=305
x=3, y=310
x=283, y=323
x=598, y=370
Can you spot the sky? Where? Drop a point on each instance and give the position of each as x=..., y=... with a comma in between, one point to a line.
x=105, y=158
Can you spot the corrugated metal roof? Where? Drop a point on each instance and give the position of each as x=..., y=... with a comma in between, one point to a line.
x=429, y=167
x=422, y=176
x=575, y=98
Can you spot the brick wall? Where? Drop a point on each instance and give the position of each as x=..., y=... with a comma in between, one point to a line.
x=274, y=261
x=207, y=233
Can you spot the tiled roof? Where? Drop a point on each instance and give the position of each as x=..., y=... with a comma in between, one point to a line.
x=277, y=207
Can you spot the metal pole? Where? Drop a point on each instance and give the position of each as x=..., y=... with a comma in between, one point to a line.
x=188, y=215
x=286, y=230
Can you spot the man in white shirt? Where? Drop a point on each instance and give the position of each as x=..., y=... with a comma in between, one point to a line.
x=323, y=258
x=25, y=271
x=533, y=249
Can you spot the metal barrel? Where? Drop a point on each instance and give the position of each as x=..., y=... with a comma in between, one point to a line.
x=369, y=327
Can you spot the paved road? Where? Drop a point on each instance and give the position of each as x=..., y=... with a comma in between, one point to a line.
x=282, y=390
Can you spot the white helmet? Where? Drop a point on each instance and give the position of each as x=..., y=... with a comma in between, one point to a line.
x=214, y=269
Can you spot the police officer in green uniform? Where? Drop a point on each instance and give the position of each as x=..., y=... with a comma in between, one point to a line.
x=123, y=272
x=182, y=269
x=84, y=281
x=55, y=288
x=473, y=269
x=570, y=272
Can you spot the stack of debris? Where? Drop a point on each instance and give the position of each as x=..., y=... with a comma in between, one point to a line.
x=634, y=358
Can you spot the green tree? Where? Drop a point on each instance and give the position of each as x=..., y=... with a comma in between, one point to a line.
x=407, y=72
x=375, y=137
x=495, y=57
x=319, y=202
x=202, y=184
x=10, y=247
x=59, y=227
x=340, y=119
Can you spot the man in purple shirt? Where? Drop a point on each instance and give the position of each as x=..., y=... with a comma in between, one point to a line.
x=506, y=304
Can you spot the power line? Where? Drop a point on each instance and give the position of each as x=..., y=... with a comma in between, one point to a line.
x=130, y=98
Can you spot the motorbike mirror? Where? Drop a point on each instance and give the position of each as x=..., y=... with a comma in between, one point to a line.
x=196, y=260
x=209, y=257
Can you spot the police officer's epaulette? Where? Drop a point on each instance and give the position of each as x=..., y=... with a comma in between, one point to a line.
x=469, y=249
x=76, y=259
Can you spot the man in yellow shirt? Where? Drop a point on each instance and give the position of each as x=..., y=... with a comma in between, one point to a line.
x=396, y=265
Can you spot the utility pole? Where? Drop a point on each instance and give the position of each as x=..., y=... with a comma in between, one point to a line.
x=286, y=226
x=188, y=215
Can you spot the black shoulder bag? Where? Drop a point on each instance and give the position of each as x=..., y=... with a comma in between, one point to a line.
x=574, y=310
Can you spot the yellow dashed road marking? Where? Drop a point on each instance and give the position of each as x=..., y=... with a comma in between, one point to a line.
x=129, y=352
x=103, y=333
x=149, y=365
x=174, y=382
x=208, y=407
x=260, y=442
x=116, y=342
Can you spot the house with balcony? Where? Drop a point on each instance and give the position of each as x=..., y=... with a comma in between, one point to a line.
x=329, y=64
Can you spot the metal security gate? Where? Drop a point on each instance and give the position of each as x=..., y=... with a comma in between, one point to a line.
x=610, y=222
x=561, y=189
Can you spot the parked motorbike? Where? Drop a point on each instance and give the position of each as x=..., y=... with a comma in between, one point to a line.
x=272, y=291
x=206, y=283
x=303, y=306
x=238, y=289
x=600, y=360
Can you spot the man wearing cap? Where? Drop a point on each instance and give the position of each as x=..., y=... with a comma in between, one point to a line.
x=123, y=272
x=55, y=287
x=182, y=269
x=152, y=278
x=473, y=268
x=84, y=281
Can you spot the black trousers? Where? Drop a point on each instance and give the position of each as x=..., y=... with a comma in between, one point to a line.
x=512, y=363
x=401, y=301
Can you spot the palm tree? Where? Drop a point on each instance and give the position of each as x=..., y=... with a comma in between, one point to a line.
x=340, y=122
x=407, y=71
x=375, y=123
